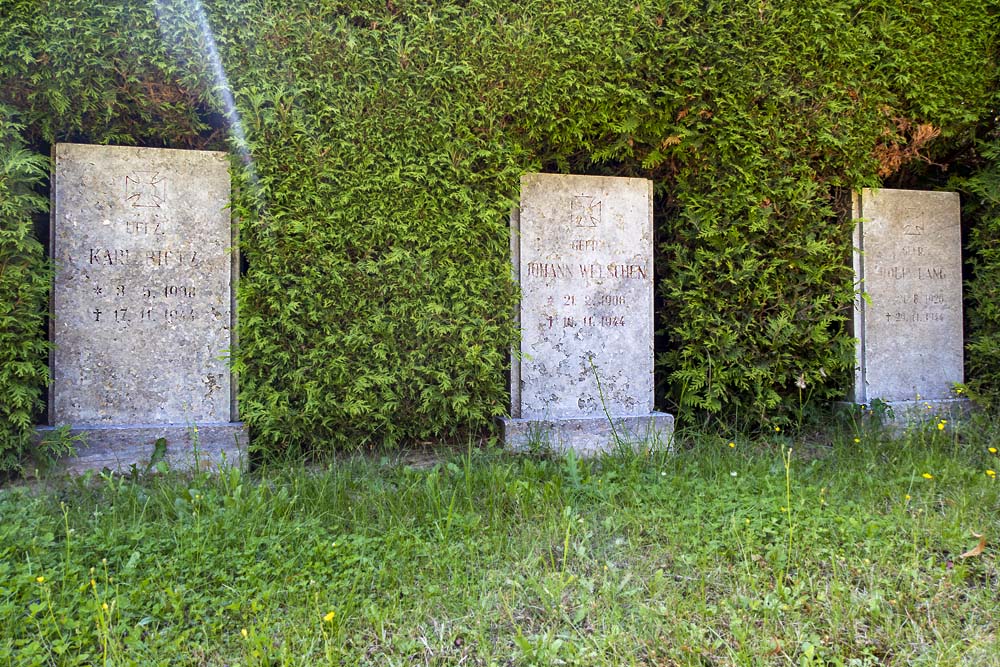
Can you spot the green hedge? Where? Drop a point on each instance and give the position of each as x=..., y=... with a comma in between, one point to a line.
x=982, y=296
x=385, y=143
x=24, y=289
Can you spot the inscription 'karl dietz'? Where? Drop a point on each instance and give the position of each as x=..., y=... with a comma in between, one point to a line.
x=126, y=257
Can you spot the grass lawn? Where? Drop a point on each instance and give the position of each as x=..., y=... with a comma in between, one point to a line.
x=845, y=548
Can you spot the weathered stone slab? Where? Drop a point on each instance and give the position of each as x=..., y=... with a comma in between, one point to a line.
x=908, y=262
x=582, y=248
x=590, y=435
x=118, y=448
x=142, y=302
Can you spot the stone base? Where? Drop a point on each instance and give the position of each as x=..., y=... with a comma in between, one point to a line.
x=912, y=413
x=588, y=436
x=189, y=447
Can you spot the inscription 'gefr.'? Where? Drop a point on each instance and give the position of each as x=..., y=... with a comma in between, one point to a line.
x=585, y=244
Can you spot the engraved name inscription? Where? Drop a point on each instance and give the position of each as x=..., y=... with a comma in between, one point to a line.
x=586, y=309
x=142, y=294
x=156, y=258
x=569, y=271
x=911, y=268
x=116, y=296
x=585, y=270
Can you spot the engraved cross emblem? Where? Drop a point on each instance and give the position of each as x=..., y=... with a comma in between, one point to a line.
x=585, y=211
x=145, y=189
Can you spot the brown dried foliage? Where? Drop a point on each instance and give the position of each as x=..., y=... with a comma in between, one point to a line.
x=902, y=144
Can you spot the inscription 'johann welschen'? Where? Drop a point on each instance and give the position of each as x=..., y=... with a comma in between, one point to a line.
x=598, y=271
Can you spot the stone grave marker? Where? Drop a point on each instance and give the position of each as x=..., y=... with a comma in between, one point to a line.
x=142, y=305
x=908, y=261
x=582, y=249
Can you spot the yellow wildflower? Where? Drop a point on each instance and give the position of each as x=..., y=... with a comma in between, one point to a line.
x=732, y=445
x=329, y=616
x=777, y=429
x=992, y=474
x=940, y=426
x=40, y=580
x=244, y=633
x=104, y=606
x=907, y=497
x=992, y=450
x=927, y=475
x=857, y=440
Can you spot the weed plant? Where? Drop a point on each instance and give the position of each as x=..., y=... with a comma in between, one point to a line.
x=841, y=549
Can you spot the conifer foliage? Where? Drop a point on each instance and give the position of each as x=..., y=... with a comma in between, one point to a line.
x=377, y=148
x=24, y=289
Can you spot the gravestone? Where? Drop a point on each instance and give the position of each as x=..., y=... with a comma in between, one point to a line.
x=142, y=306
x=582, y=249
x=908, y=263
